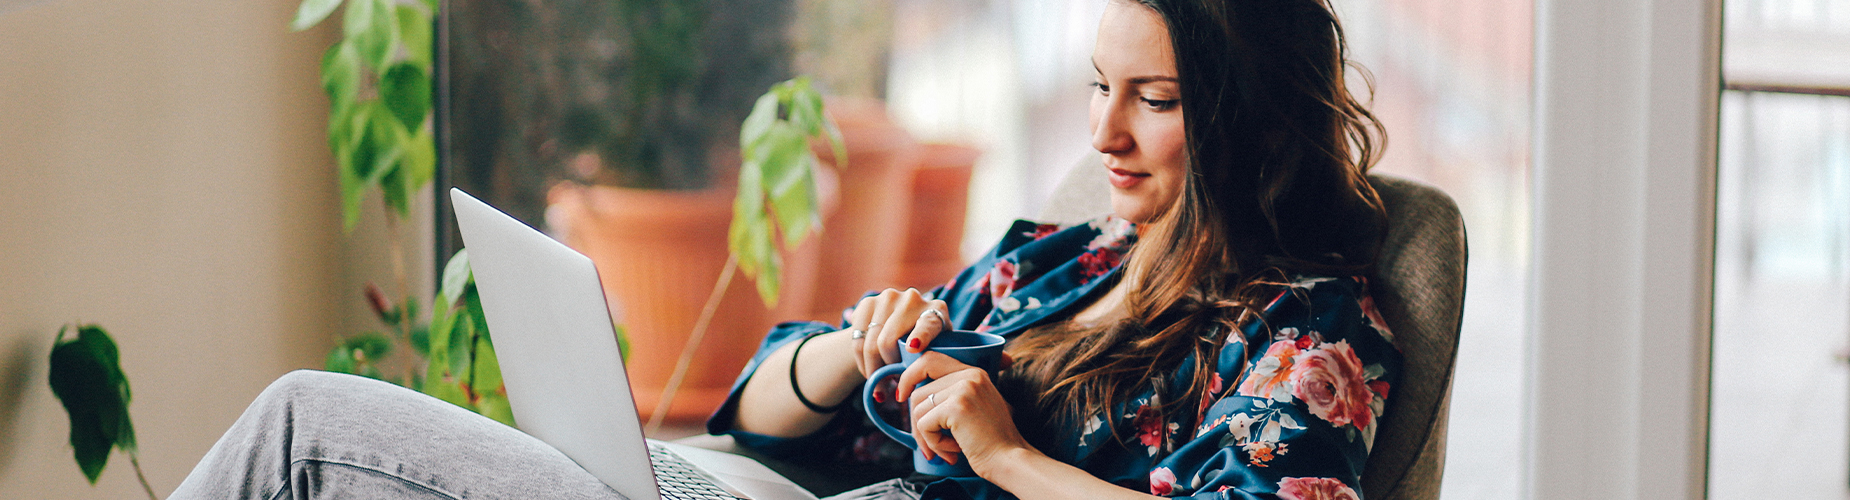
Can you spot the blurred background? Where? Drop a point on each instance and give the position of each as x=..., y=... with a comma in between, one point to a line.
x=169, y=177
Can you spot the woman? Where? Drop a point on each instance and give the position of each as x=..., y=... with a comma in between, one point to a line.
x=1227, y=356
x=1209, y=339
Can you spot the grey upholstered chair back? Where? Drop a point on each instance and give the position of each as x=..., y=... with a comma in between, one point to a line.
x=1419, y=285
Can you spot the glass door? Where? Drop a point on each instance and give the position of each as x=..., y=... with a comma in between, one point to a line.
x=1782, y=276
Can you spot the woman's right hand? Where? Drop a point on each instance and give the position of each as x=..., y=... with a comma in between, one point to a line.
x=889, y=317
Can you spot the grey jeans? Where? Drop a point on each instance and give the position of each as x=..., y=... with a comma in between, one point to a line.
x=313, y=435
x=318, y=435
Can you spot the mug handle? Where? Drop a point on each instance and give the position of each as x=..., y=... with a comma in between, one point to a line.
x=867, y=403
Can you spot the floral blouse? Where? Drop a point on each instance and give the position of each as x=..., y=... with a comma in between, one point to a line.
x=1290, y=412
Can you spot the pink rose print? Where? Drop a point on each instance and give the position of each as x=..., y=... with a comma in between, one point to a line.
x=1314, y=488
x=1002, y=280
x=1329, y=380
x=1379, y=387
x=1374, y=317
x=1044, y=230
x=1098, y=262
x=1162, y=481
x=1149, y=426
x=1215, y=385
x=1271, y=371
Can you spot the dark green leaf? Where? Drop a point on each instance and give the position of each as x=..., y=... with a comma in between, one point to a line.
x=405, y=88
x=340, y=360
x=88, y=380
x=477, y=317
x=369, y=347
x=311, y=12
x=420, y=341
x=462, y=345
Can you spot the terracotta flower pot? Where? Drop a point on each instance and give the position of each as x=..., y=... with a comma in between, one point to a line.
x=659, y=254
x=940, y=200
x=863, y=242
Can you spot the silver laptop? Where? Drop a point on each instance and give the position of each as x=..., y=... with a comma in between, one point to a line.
x=564, y=373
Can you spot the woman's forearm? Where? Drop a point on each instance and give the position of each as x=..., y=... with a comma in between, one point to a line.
x=1031, y=475
x=768, y=406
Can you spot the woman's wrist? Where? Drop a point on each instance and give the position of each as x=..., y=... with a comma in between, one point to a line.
x=827, y=375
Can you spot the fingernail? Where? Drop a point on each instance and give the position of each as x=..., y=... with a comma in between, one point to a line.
x=878, y=398
x=913, y=344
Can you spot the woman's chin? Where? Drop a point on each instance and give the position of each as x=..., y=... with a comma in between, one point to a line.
x=1130, y=210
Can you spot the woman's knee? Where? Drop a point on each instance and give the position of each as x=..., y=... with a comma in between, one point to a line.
x=311, y=385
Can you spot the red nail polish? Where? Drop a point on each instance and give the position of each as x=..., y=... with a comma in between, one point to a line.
x=913, y=344
x=878, y=398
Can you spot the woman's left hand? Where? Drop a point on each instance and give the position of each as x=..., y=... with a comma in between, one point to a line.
x=960, y=411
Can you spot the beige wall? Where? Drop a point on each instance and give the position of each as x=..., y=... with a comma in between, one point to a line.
x=162, y=172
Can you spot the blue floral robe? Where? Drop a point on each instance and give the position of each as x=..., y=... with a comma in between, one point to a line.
x=1290, y=413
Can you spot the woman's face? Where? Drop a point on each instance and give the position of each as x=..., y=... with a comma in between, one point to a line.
x=1137, y=112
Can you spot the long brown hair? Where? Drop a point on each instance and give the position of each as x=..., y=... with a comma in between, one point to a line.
x=1278, y=152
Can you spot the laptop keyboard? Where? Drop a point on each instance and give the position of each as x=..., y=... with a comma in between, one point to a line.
x=678, y=479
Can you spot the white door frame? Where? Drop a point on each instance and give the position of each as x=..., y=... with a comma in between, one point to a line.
x=1626, y=98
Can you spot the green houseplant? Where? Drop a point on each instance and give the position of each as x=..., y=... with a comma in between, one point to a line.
x=86, y=376
x=378, y=81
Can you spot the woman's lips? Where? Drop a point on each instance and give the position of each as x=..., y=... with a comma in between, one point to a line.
x=1125, y=179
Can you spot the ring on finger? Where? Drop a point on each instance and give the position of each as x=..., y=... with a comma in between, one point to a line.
x=930, y=397
x=940, y=315
x=873, y=326
x=857, y=334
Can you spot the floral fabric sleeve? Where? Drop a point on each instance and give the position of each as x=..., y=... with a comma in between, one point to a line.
x=1300, y=417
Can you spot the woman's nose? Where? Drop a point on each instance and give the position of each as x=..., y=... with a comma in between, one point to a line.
x=1109, y=136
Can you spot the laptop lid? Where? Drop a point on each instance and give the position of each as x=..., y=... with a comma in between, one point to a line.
x=558, y=351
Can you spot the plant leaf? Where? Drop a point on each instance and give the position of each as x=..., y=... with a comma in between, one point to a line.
x=764, y=113
x=436, y=349
x=806, y=108
x=623, y=343
x=87, y=378
x=456, y=275
x=414, y=32
x=340, y=78
x=372, y=27
x=418, y=160
x=311, y=12
x=405, y=89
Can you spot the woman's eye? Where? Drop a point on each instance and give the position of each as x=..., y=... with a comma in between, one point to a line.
x=1102, y=88
x=1162, y=105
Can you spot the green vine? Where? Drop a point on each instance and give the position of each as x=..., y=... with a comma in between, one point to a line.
x=777, y=180
x=378, y=82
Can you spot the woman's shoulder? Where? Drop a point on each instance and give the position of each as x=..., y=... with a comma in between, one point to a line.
x=1108, y=231
x=1337, y=304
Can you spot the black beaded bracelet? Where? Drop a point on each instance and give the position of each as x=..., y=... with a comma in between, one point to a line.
x=799, y=389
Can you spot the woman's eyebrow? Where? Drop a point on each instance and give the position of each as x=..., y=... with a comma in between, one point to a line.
x=1140, y=80
x=1151, y=79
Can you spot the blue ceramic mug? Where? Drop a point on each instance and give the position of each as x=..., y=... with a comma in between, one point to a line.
x=981, y=350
